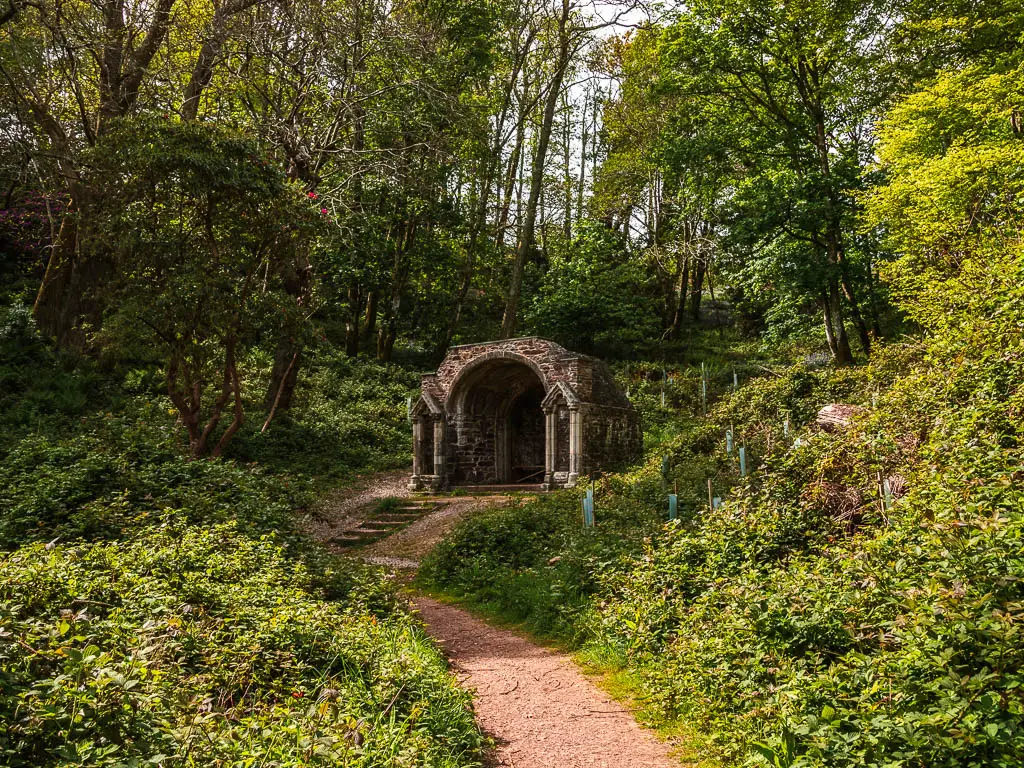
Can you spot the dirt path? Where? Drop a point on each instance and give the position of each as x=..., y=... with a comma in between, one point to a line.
x=539, y=708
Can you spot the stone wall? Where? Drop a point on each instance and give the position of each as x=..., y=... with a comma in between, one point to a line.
x=612, y=439
x=551, y=362
x=471, y=449
x=489, y=396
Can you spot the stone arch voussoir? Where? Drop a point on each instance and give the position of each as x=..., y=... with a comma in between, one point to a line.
x=459, y=388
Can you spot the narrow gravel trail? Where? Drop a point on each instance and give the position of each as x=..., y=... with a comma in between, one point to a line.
x=347, y=507
x=539, y=708
x=536, y=704
x=406, y=548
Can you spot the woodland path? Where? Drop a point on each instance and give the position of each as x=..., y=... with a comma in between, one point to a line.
x=537, y=706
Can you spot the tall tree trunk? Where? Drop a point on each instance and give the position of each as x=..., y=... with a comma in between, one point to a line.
x=680, y=291
x=388, y=330
x=67, y=300
x=697, y=292
x=370, y=316
x=209, y=52
x=288, y=356
x=526, y=242
x=826, y=316
x=843, y=353
x=283, y=375
x=584, y=136
x=512, y=177
x=809, y=79
x=513, y=174
x=876, y=328
x=567, y=176
x=851, y=296
x=50, y=307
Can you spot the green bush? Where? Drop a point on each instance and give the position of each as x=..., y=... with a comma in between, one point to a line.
x=591, y=296
x=348, y=416
x=40, y=391
x=897, y=646
x=802, y=624
x=204, y=646
x=115, y=475
x=534, y=563
x=166, y=611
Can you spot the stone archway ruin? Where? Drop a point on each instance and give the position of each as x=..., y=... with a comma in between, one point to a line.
x=518, y=412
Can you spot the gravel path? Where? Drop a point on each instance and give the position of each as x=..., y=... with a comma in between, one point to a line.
x=539, y=708
x=406, y=548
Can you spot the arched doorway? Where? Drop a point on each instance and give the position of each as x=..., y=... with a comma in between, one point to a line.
x=499, y=425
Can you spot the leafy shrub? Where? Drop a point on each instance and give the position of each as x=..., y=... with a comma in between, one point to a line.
x=115, y=475
x=39, y=390
x=533, y=562
x=177, y=616
x=897, y=646
x=348, y=415
x=204, y=646
x=786, y=630
x=591, y=294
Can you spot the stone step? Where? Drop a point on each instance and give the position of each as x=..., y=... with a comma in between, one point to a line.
x=398, y=517
x=347, y=541
x=386, y=522
x=499, y=490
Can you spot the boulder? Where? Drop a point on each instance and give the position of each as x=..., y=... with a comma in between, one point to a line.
x=836, y=417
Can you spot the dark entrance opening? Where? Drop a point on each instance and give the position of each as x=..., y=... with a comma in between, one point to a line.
x=498, y=424
x=526, y=432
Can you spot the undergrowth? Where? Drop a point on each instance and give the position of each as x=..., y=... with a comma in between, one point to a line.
x=806, y=622
x=156, y=610
x=347, y=417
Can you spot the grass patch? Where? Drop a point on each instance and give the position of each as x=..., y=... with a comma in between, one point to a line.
x=610, y=671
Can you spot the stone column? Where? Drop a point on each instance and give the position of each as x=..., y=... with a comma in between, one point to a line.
x=575, y=443
x=440, y=450
x=550, y=446
x=417, y=448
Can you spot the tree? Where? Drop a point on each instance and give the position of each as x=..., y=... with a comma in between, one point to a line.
x=593, y=294
x=952, y=205
x=568, y=34
x=794, y=85
x=665, y=178
x=70, y=71
x=200, y=229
